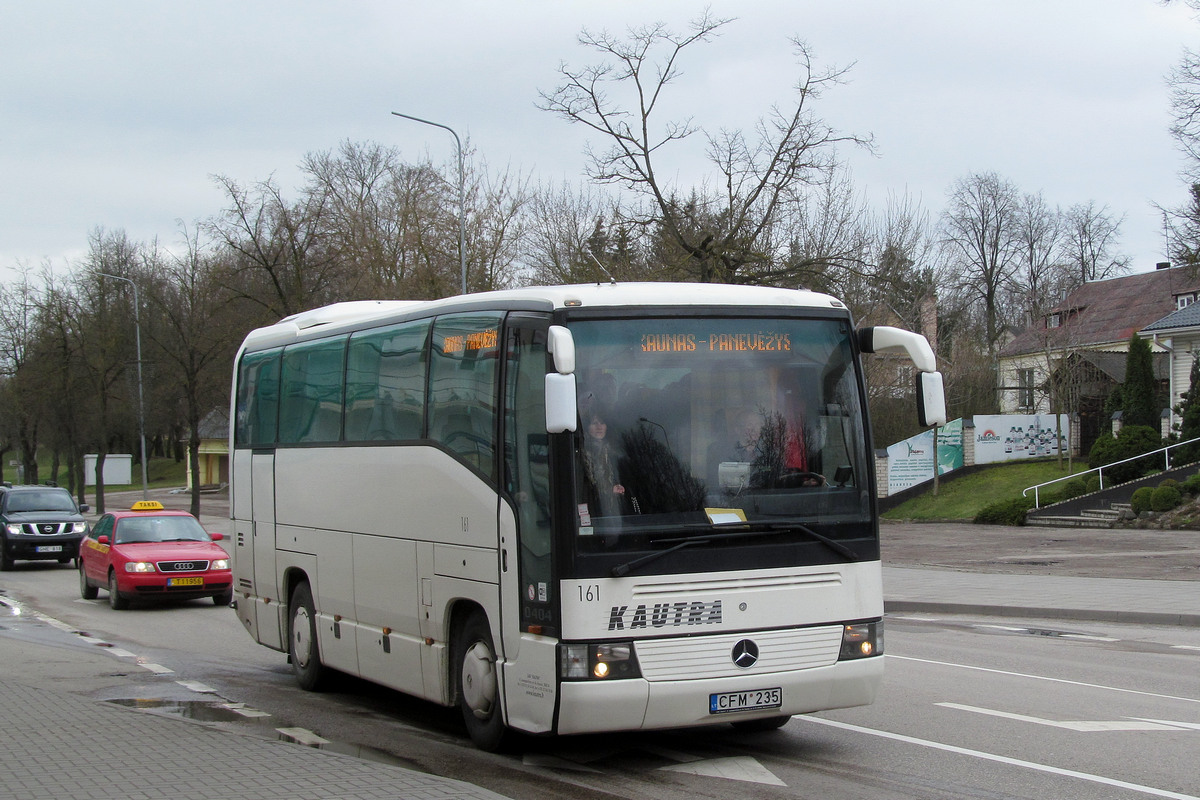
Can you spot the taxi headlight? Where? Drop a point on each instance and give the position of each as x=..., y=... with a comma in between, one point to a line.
x=220, y=563
x=862, y=639
x=580, y=661
x=139, y=566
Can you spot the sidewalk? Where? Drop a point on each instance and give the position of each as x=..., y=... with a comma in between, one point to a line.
x=63, y=743
x=1145, y=576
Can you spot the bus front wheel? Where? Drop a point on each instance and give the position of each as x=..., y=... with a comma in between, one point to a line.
x=479, y=684
x=303, y=651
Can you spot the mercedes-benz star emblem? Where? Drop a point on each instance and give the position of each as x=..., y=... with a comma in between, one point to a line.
x=745, y=654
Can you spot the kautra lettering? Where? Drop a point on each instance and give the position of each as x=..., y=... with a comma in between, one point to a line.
x=665, y=615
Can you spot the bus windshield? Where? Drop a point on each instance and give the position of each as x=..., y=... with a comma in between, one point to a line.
x=705, y=427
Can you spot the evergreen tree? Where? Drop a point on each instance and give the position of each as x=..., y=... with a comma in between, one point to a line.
x=1189, y=416
x=1139, y=393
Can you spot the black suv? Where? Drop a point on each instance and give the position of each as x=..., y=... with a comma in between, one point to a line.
x=39, y=523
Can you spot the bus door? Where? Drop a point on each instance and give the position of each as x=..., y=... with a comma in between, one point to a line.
x=256, y=420
x=529, y=623
x=262, y=500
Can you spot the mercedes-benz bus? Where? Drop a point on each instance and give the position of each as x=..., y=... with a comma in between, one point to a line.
x=570, y=509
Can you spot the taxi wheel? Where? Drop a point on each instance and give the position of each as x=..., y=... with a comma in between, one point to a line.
x=115, y=601
x=224, y=598
x=303, y=649
x=479, y=684
x=86, y=590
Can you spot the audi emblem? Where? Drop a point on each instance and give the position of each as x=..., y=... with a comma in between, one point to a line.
x=183, y=566
x=745, y=654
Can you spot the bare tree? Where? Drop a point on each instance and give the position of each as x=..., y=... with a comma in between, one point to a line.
x=1090, y=240
x=194, y=330
x=979, y=233
x=725, y=233
x=281, y=257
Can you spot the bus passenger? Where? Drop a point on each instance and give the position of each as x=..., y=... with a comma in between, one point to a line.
x=601, y=469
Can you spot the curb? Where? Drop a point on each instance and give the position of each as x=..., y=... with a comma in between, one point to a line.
x=1084, y=614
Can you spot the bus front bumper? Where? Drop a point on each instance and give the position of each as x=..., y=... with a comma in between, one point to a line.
x=638, y=704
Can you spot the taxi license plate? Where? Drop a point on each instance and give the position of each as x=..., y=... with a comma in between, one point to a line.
x=50, y=548
x=185, y=581
x=753, y=700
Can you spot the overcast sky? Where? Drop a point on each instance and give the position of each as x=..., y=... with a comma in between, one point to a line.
x=118, y=114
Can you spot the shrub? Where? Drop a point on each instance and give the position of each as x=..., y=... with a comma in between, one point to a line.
x=1133, y=440
x=1191, y=484
x=1005, y=512
x=1141, y=499
x=1093, y=483
x=1165, y=498
x=1168, y=482
x=1073, y=488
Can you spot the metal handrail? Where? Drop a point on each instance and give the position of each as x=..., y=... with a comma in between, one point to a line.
x=1100, y=470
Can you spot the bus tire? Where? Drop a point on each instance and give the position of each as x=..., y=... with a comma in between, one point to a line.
x=479, y=683
x=303, y=651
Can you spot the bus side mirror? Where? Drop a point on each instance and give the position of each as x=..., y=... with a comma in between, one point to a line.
x=561, y=345
x=561, y=403
x=931, y=399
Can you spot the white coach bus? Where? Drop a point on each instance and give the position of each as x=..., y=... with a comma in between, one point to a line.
x=569, y=509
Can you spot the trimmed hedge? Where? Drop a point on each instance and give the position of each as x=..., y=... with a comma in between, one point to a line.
x=1140, y=501
x=1005, y=512
x=1165, y=498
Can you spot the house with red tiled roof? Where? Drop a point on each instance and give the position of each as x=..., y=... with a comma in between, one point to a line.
x=1178, y=334
x=1083, y=342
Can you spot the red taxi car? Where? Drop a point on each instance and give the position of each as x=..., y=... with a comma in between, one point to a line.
x=149, y=552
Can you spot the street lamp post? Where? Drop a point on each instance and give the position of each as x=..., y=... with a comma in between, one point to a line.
x=462, y=202
x=137, y=323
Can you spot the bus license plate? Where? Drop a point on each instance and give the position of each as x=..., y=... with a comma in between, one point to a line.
x=753, y=700
x=185, y=581
x=50, y=548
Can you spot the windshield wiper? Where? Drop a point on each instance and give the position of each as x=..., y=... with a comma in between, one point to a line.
x=832, y=544
x=624, y=569
x=745, y=532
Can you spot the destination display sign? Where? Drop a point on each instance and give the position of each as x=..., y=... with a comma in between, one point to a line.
x=762, y=341
x=465, y=343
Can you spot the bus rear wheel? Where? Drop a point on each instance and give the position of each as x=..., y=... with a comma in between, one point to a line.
x=303, y=651
x=479, y=684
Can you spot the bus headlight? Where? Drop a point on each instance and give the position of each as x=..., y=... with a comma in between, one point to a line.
x=579, y=661
x=861, y=639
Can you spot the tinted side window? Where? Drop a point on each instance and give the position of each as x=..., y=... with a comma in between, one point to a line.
x=385, y=383
x=462, y=387
x=103, y=528
x=310, y=400
x=258, y=399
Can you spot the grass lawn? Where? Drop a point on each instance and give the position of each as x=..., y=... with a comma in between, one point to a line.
x=962, y=498
x=161, y=472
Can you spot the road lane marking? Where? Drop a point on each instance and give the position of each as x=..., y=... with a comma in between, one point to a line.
x=1015, y=762
x=1045, y=678
x=734, y=768
x=1082, y=726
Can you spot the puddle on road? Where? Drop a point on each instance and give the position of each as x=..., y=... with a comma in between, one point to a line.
x=198, y=710
x=208, y=711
